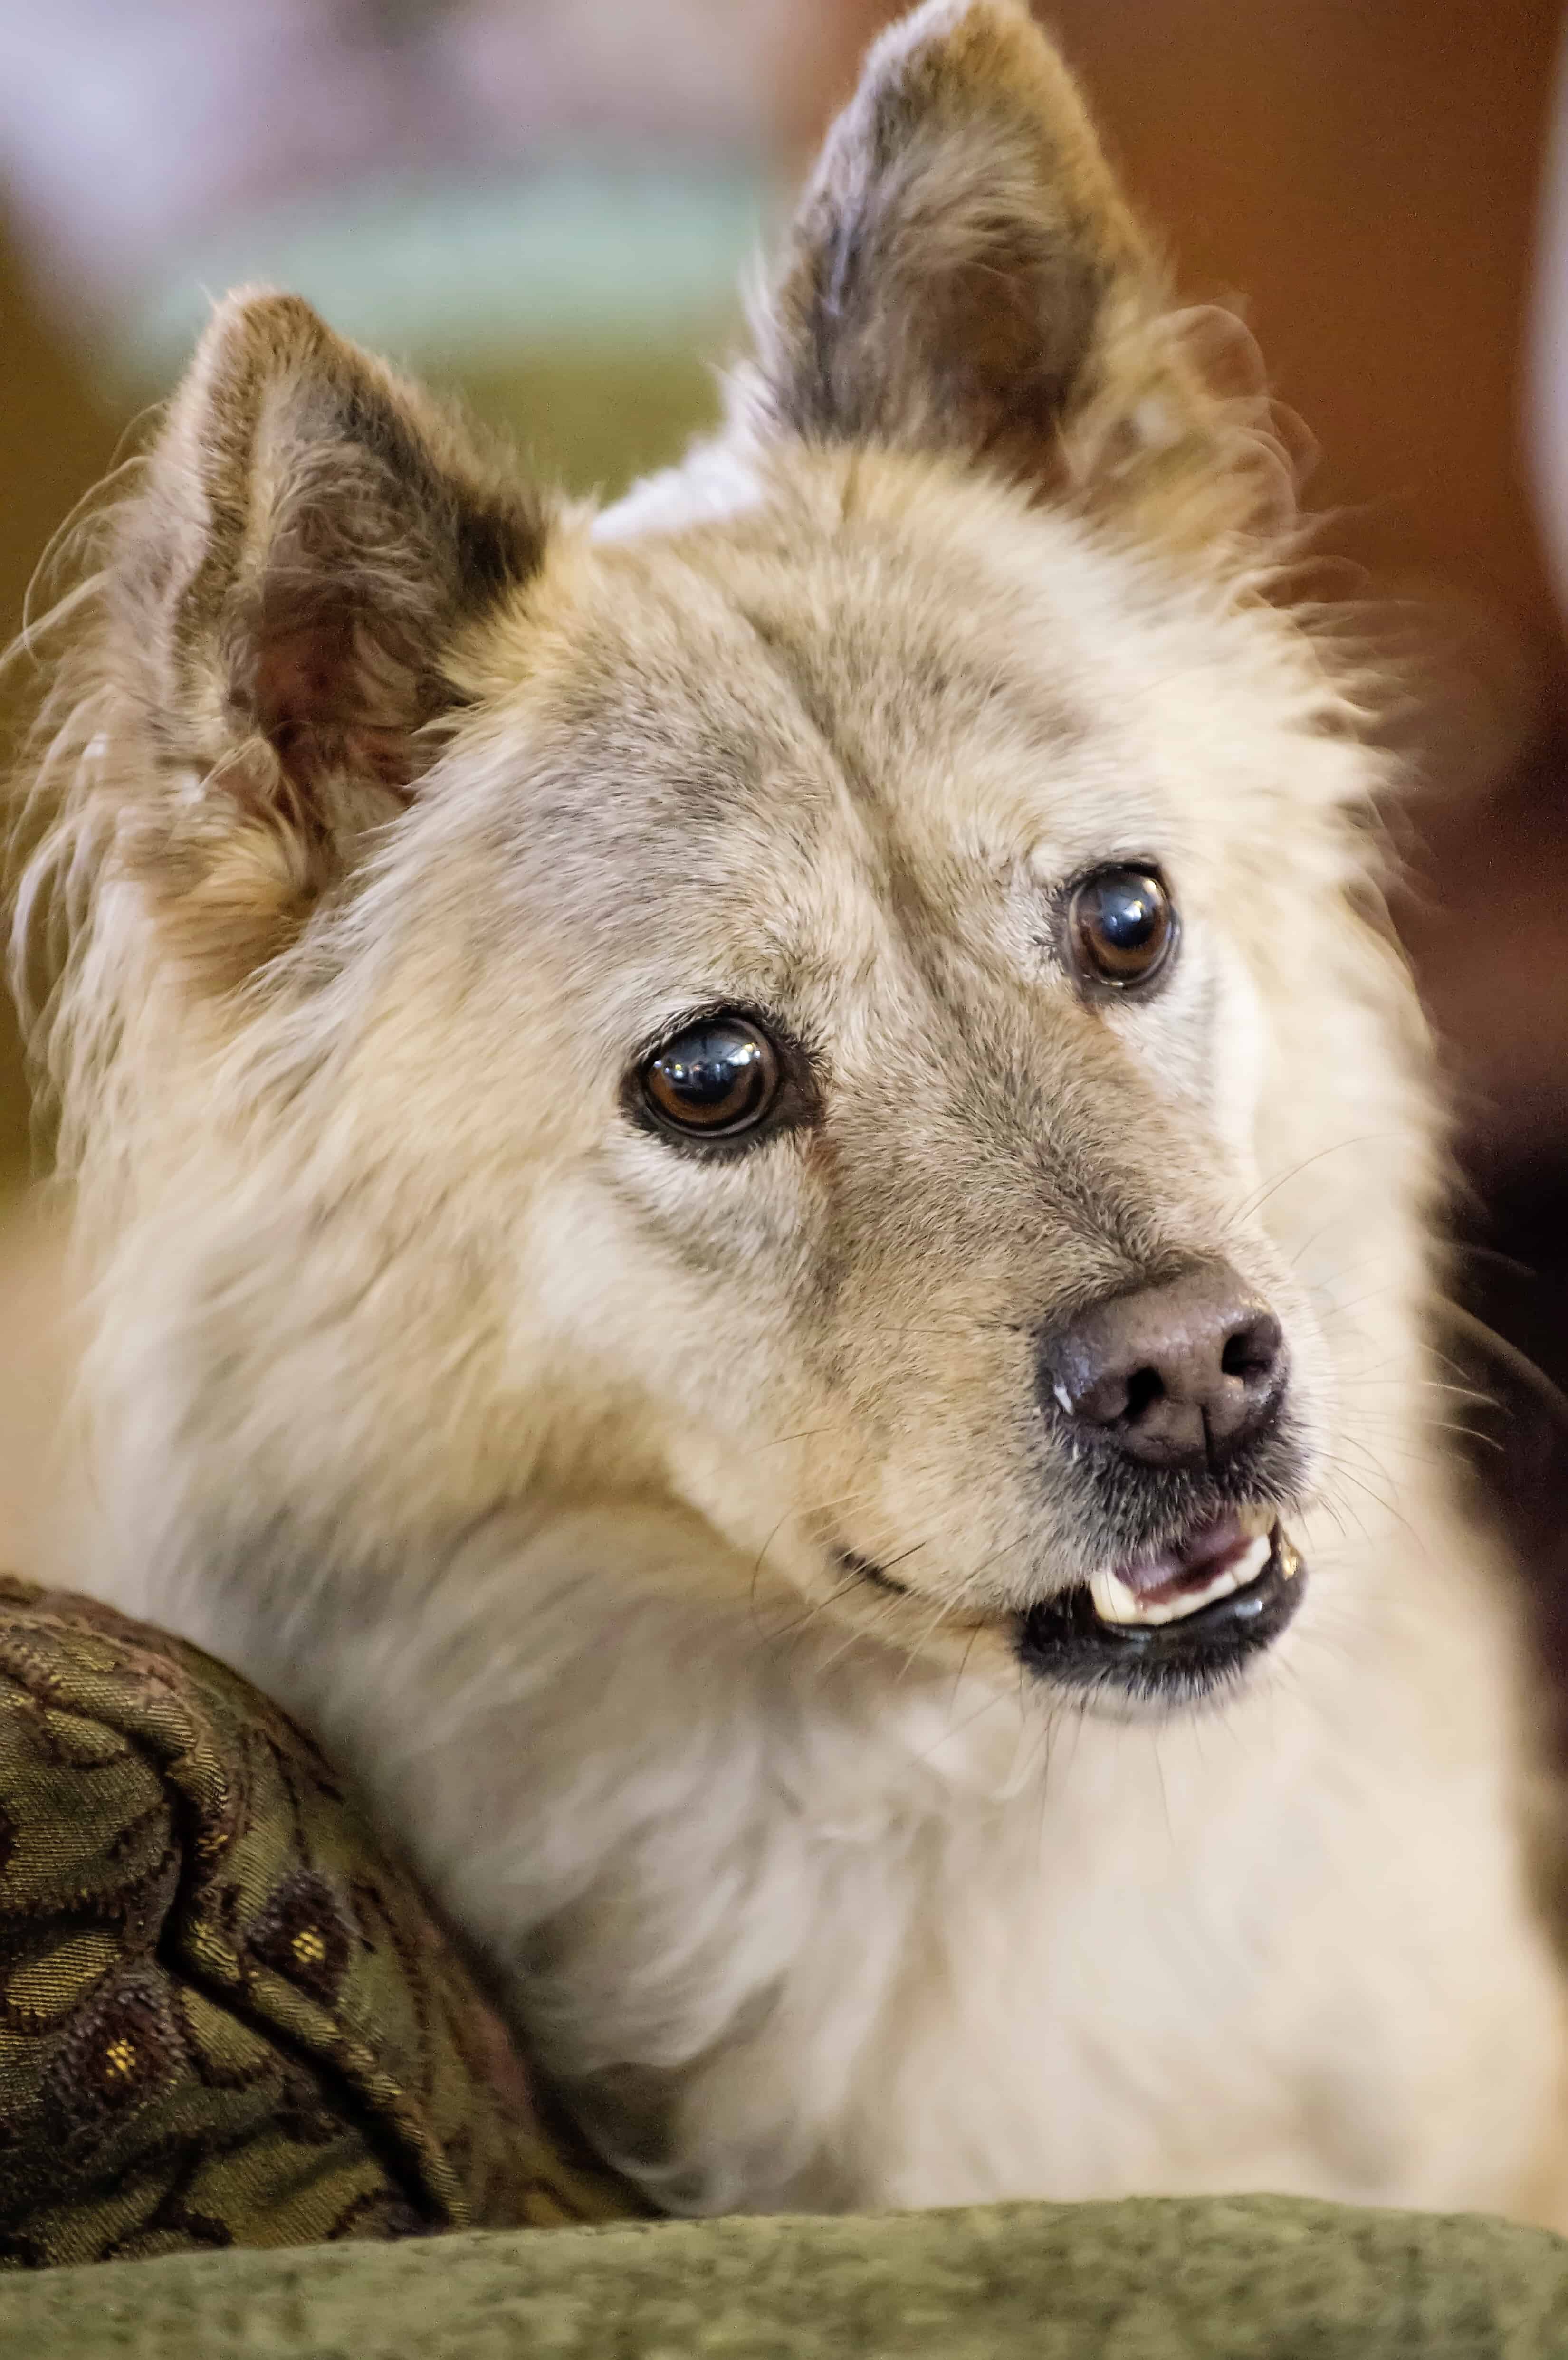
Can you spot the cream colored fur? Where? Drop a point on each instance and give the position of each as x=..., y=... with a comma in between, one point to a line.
x=388, y=815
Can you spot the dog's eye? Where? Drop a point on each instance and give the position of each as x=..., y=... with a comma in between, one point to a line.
x=719, y=1078
x=1121, y=926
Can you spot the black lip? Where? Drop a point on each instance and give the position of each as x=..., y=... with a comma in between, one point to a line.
x=1065, y=1641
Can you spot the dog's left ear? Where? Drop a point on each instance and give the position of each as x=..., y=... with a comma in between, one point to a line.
x=964, y=276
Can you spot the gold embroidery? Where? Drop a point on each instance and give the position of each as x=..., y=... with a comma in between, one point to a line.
x=119, y=2059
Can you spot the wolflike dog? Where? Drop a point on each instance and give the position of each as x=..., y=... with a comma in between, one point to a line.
x=761, y=1193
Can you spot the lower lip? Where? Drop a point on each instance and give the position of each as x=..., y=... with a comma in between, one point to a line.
x=1064, y=1640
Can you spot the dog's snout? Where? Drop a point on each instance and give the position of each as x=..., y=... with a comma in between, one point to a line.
x=1169, y=1374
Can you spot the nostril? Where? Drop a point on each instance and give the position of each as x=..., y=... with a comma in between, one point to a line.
x=1144, y=1387
x=1252, y=1352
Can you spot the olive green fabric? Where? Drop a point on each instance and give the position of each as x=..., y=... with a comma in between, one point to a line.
x=227, y=2018
x=1248, y=2278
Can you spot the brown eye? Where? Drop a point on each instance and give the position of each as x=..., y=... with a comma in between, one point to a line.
x=719, y=1078
x=1122, y=926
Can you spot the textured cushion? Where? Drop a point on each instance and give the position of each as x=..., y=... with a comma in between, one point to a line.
x=226, y=2018
x=1237, y=2278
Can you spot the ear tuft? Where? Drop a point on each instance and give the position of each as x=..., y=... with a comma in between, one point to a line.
x=312, y=535
x=964, y=276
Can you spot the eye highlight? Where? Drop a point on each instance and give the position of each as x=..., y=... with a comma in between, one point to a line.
x=718, y=1079
x=1122, y=927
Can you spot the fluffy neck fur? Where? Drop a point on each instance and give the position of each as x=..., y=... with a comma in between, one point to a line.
x=795, y=1923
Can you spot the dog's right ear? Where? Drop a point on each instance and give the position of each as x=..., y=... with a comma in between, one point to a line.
x=311, y=537
x=964, y=276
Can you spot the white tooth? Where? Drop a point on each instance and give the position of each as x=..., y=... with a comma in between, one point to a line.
x=1114, y=1603
x=1250, y=1564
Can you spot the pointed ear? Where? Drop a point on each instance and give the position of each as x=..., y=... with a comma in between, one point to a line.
x=965, y=275
x=311, y=536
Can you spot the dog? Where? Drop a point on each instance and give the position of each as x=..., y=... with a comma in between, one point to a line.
x=763, y=1192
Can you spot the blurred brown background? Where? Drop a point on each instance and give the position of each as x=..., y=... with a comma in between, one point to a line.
x=546, y=204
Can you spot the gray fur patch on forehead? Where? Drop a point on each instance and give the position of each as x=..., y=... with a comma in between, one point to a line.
x=833, y=632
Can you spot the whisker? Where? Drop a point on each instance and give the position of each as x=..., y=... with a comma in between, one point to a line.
x=1250, y=1206
x=1519, y=1363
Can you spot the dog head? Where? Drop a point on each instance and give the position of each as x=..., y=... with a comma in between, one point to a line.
x=832, y=998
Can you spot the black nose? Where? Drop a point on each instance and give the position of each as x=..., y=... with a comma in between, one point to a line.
x=1172, y=1374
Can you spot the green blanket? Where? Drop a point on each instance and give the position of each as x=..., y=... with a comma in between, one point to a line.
x=1252, y=2279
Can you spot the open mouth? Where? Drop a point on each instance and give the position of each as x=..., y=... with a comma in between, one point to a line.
x=1178, y=1620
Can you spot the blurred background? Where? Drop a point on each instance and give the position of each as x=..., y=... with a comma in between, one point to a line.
x=546, y=204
